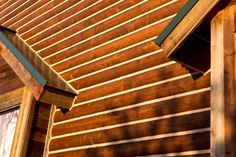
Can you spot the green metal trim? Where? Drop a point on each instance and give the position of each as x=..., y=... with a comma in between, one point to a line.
x=40, y=79
x=176, y=20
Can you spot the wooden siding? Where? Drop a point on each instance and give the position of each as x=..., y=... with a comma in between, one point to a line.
x=38, y=131
x=133, y=100
x=8, y=79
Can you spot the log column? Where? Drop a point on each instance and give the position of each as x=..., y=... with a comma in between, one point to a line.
x=223, y=116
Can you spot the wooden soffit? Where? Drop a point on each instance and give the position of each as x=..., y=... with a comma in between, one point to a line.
x=44, y=83
x=191, y=26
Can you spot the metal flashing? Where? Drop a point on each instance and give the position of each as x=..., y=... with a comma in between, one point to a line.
x=176, y=20
x=41, y=80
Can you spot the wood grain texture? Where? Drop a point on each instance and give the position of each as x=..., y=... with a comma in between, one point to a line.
x=101, y=16
x=137, y=81
x=32, y=7
x=129, y=27
x=21, y=72
x=73, y=11
x=112, y=73
x=8, y=80
x=139, y=96
x=17, y=11
x=121, y=88
x=61, y=5
x=175, y=124
x=182, y=104
x=124, y=55
x=160, y=146
x=223, y=138
x=39, y=130
x=23, y=126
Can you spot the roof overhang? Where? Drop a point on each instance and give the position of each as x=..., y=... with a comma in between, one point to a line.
x=43, y=82
x=190, y=26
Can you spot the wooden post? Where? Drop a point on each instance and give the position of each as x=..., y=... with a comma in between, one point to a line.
x=223, y=119
x=23, y=126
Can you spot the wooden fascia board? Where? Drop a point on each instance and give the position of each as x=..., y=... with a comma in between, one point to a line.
x=25, y=76
x=176, y=20
x=57, y=97
x=35, y=82
x=40, y=79
x=186, y=25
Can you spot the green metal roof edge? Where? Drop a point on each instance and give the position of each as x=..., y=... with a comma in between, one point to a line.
x=40, y=79
x=176, y=20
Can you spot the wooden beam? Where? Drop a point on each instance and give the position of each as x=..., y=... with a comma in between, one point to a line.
x=57, y=97
x=43, y=93
x=23, y=126
x=20, y=70
x=223, y=116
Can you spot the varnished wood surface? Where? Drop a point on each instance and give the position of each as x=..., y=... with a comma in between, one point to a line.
x=39, y=130
x=23, y=125
x=164, y=126
x=160, y=146
x=105, y=50
x=223, y=139
x=8, y=79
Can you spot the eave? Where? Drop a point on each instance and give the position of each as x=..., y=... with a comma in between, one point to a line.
x=43, y=82
x=184, y=29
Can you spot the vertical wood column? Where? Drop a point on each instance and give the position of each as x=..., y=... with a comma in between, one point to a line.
x=223, y=119
x=23, y=126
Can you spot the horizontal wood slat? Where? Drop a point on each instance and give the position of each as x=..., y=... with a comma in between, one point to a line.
x=175, y=124
x=115, y=59
x=81, y=5
x=60, y=7
x=8, y=79
x=3, y=2
x=11, y=95
x=10, y=85
x=11, y=14
x=86, y=9
x=101, y=16
x=10, y=21
x=150, y=93
x=160, y=90
x=182, y=104
x=10, y=8
x=105, y=50
x=123, y=55
x=138, y=65
x=117, y=32
x=129, y=83
x=167, y=145
x=38, y=12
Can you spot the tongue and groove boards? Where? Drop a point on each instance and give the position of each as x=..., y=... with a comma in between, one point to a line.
x=133, y=100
